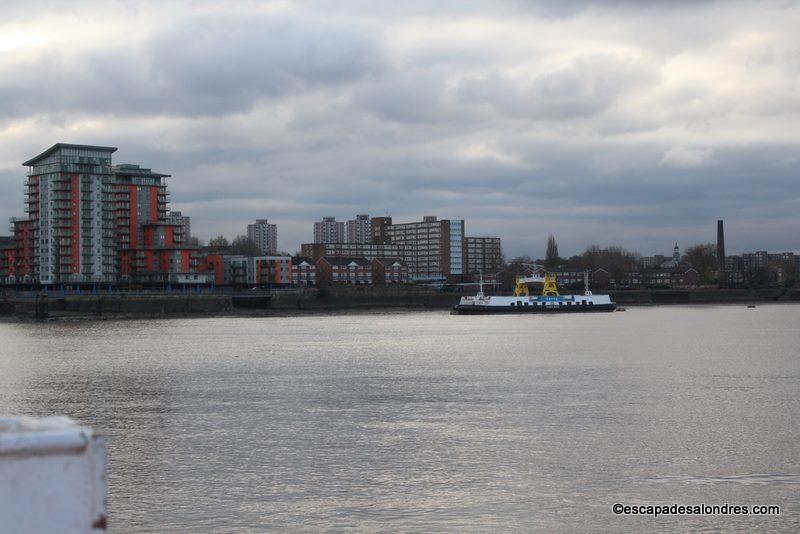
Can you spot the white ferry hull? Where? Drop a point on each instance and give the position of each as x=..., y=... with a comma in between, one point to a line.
x=539, y=304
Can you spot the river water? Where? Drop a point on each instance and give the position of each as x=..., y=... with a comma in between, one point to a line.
x=423, y=421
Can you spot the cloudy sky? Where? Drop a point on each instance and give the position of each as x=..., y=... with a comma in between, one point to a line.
x=625, y=122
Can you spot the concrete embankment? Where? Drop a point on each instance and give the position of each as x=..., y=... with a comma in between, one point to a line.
x=238, y=303
x=145, y=306
x=331, y=299
x=704, y=296
x=344, y=298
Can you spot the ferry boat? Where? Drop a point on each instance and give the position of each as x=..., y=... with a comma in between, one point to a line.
x=550, y=301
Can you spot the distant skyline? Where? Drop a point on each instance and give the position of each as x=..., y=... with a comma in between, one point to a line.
x=608, y=123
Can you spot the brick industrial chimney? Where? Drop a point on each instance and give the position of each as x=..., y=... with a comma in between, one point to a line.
x=720, y=246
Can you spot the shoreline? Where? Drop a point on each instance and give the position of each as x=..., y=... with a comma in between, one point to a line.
x=336, y=301
x=21, y=318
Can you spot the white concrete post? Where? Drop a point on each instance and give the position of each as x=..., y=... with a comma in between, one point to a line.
x=52, y=476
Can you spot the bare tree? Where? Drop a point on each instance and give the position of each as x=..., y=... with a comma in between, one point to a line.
x=616, y=260
x=219, y=242
x=703, y=258
x=245, y=246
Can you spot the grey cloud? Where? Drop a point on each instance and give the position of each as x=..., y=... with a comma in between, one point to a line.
x=791, y=58
x=514, y=8
x=586, y=87
x=198, y=66
x=409, y=96
x=244, y=58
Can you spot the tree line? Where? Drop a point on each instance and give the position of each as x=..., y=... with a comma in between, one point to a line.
x=617, y=260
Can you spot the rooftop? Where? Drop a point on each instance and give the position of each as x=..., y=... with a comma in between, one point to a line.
x=129, y=169
x=59, y=146
x=346, y=260
x=388, y=260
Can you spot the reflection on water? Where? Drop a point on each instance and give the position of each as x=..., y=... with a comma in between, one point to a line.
x=426, y=421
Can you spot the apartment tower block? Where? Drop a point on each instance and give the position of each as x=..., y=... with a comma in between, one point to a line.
x=70, y=214
x=264, y=235
x=329, y=231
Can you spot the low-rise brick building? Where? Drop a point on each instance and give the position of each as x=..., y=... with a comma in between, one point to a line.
x=389, y=271
x=344, y=270
x=304, y=271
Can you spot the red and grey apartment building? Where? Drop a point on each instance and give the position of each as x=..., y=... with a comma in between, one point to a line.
x=151, y=248
x=236, y=269
x=17, y=251
x=91, y=222
x=6, y=255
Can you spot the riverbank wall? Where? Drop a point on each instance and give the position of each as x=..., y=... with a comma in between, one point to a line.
x=703, y=296
x=364, y=297
x=100, y=306
x=332, y=299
